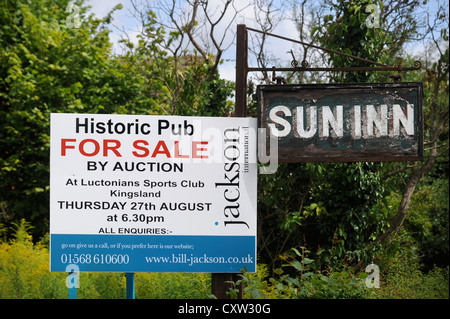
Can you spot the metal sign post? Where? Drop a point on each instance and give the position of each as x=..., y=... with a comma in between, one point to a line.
x=241, y=71
x=130, y=285
x=73, y=288
x=73, y=280
x=221, y=282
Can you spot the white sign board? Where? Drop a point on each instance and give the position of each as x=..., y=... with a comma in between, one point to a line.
x=139, y=193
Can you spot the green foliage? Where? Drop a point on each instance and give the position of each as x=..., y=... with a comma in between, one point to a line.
x=423, y=239
x=255, y=285
x=46, y=66
x=24, y=269
x=173, y=286
x=316, y=211
x=349, y=29
x=339, y=211
x=24, y=273
x=408, y=282
x=185, y=83
x=345, y=31
x=300, y=278
x=429, y=222
x=326, y=284
x=304, y=281
x=21, y=230
x=335, y=210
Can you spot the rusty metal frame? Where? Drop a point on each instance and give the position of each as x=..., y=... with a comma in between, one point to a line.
x=242, y=68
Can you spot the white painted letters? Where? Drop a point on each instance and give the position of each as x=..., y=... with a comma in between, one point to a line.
x=407, y=119
x=336, y=121
x=379, y=118
x=366, y=121
x=279, y=120
x=301, y=125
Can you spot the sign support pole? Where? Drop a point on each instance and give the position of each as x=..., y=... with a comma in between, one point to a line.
x=130, y=285
x=73, y=288
x=241, y=71
x=221, y=282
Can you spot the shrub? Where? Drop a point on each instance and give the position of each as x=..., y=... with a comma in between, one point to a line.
x=303, y=281
x=411, y=283
x=173, y=285
x=24, y=268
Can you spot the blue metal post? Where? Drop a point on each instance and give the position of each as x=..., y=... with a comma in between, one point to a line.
x=130, y=285
x=73, y=287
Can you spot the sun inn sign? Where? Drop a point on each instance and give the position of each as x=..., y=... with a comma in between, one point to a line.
x=343, y=122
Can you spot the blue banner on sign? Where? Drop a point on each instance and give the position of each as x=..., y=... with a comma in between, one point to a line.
x=140, y=253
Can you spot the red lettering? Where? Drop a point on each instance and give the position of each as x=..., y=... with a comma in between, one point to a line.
x=161, y=144
x=96, y=147
x=177, y=151
x=140, y=148
x=113, y=148
x=64, y=145
x=196, y=149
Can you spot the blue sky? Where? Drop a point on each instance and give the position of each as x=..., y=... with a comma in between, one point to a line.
x=278, y=48
x=124, y=19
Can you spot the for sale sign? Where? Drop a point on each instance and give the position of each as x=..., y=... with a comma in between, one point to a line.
x=152, y=193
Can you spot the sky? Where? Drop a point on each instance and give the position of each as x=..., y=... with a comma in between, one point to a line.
x=123, y=19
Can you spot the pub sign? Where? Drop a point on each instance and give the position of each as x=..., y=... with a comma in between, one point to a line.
x=343, y=122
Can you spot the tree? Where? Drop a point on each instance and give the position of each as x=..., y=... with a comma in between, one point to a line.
x=47, y=66
x=186, y=35
x=374, y=31
x=436, y=116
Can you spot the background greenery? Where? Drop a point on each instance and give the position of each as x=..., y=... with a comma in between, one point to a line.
x=24, y=274
x=319, y=225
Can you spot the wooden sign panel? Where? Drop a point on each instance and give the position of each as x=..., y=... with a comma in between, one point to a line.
x=343, y=122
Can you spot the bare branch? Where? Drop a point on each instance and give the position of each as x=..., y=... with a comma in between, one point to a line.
x=190, y=29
